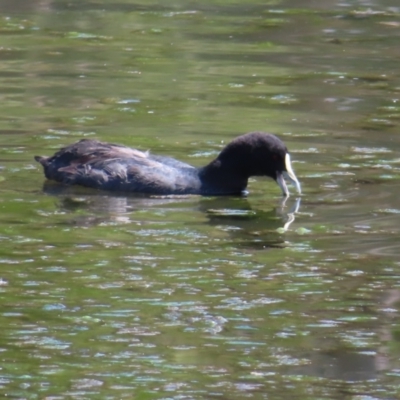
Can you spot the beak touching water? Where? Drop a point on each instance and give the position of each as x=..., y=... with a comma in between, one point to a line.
x=289, y=174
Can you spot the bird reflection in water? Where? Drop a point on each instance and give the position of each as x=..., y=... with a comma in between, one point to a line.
x=243, y=223
x=251, y=227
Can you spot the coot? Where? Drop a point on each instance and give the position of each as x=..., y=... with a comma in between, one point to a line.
x=118, y=168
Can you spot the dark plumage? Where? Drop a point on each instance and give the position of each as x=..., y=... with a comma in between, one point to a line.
x=118, y=168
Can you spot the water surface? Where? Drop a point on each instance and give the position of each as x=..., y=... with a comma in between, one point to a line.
x=114, y=296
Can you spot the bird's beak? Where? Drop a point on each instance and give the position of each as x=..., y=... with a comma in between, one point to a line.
x=289, y=174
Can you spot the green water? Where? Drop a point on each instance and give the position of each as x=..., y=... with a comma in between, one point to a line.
x=110, y=297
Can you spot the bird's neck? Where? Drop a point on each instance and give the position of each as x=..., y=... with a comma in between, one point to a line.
x=219, y=178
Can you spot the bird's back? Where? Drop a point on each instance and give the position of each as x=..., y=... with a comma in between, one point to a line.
x=113, y=167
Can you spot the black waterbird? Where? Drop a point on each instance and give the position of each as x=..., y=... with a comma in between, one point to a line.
x=114, y=167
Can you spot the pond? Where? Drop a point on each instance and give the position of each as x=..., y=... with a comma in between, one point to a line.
x=115, y=296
